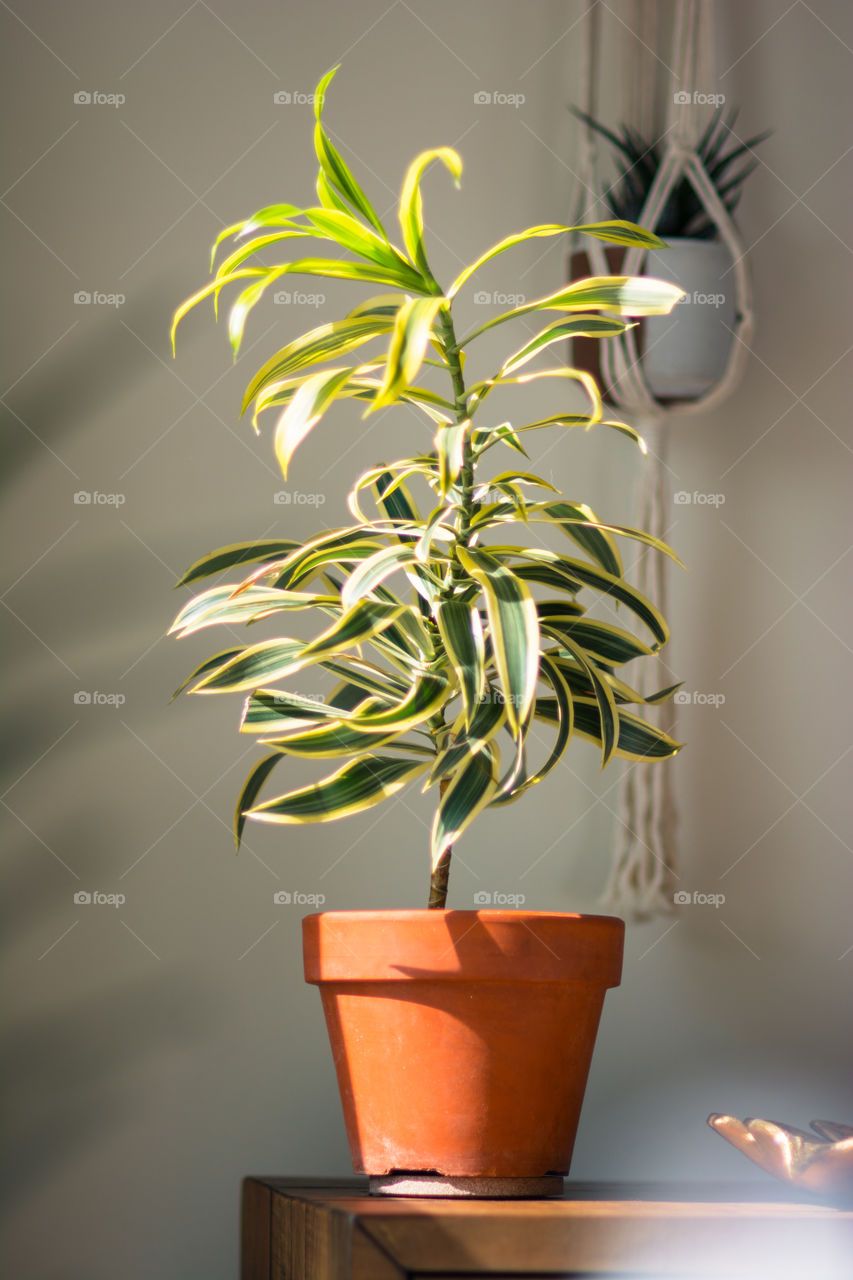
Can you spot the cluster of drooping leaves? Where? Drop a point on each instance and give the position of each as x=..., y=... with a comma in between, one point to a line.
x=444, y=647
x=683, y=212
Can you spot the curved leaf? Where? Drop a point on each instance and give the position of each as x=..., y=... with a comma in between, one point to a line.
x=636, y=740
x=514, y=630
x=354, y=787
x=411, y=333
x=532, y=233
x=489, y=718
x=253, y=666
x=204, y=668
x=214, y=287
x=462, y=634
x=333, y=165
x=371, y=572
x=365, y=619
x=341, y=269
x=220, y=607
x=469, y=792
x=328, y=741
x=251, y=789
x=576, y=327
x=237, y=553
x=270, y=712
x=305, y=411
x=602, y=641
x=605, y=701
x=411, y=204
x=234, y=260
x=572, y=575
x=323, y=343
x=617, y=232
x=423, y=700
x=564, y=720
x=353, y=235
x=626, y=295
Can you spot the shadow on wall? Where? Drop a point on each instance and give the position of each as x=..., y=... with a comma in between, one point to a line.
x=78, y=1079
x=101, y=365
x=80, y=1064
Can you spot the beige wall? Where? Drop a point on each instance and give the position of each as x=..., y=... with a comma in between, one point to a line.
x=162, y=1049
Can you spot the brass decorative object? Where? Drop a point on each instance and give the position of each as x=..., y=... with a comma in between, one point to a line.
x=819, y=1162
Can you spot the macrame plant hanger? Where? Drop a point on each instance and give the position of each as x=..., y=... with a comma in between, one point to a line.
x=645, y=870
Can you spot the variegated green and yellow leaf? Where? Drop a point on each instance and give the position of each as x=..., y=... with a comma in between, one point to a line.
x=617, y=232
x=409, y=338
x=468, y=793
x=332, y=164
x=305, y=411
x=624, y=295
x=365, y=619
x=272, y=712
x=637, y=739
x=251, y=790
x=461, y=632
x=237, y=553
x=326, y=342
x=220, y=607
x=356, y=786
x=411, y=204
x=513, y=628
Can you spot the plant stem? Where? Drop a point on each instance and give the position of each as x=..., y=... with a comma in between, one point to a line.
x=441, y=875
x=460, y=396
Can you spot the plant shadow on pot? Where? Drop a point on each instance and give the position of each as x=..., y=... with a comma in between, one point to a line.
x=462, y=1040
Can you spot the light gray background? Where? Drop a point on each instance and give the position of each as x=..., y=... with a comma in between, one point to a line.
x=160, y=1051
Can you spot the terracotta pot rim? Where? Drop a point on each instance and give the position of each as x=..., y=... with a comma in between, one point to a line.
x=408, y=946
x=503, y=914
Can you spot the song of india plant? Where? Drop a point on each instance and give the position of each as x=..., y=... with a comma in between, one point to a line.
x=442, y=639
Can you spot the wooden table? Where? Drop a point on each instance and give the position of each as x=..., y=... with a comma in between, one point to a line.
x=316, y=1229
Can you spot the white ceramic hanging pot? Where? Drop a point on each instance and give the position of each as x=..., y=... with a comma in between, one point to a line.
x=685, y=354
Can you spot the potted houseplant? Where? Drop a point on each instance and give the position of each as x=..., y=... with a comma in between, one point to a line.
x=683, y=356
x=462, y=1039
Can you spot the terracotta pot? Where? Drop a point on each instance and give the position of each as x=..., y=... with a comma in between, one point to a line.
x=462, y=1039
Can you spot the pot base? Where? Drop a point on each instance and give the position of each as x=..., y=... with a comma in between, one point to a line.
x=436, y=1185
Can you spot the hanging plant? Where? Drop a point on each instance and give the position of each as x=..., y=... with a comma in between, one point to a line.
x=683, y=213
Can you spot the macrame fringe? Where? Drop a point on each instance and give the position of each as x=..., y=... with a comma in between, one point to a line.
x=645, y=871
